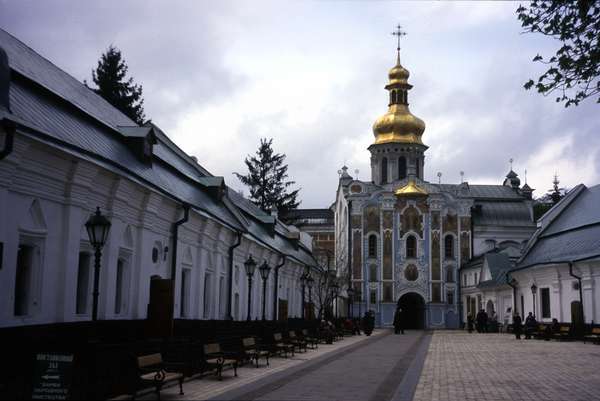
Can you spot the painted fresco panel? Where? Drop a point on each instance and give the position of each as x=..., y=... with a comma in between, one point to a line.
x=435, y=256
x=371, y=221
x=388, y=219
x=387, y=255
x=411, y=221
x=435, y=220
x=450, y=223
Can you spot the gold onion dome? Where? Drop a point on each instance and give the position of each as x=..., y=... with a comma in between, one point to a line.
x=398, y=125
x=411, y=189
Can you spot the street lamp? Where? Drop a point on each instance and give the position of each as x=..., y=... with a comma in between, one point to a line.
x=97, y=228
x=264, y=273
x=250, y=266
x=310, y=282
x=350, y=293
x=534, y=292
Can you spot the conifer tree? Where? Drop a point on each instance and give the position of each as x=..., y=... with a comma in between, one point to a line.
x=267, y=179
x=115, y=88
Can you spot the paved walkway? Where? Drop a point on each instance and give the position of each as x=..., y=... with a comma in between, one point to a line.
x=357, y=368
x=461, y=366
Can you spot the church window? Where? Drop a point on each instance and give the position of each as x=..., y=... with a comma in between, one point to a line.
x=119, y=287
x=411, y=273
x=26, y=256
x=436, y=290
x=450, y=297
x=393, y=97
x=184, y=306
x=372, y=246
x=83, y=283
x=372, y=272
x=207, y=295
x=418, y=168
x=387, y=292
x=384, y=171
x=401, y=167
x=373, y=296
x=450, y=274
x=545, y=296
x=411, y=247
x=449, y=247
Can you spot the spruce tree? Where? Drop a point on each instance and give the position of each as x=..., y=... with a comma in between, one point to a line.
x=115, y=88
x=267, y=179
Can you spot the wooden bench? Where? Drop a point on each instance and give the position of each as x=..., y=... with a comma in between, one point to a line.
x=281, y=346
x=540, y=331
x=564, y=333
x=312, y=341
x=593, y=336
x=215, y=359
x=152, y=370
x=252, y=350
x=297, y=341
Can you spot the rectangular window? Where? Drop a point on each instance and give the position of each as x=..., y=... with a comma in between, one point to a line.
x=23, y=280
x=436, y=292
x=83, y=283
x=387, y=292
x=185, y=292
x=545, y=302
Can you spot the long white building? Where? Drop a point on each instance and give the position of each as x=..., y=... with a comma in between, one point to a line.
x=64, y=151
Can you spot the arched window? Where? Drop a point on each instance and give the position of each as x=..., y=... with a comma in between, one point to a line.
x=384, y=172
x=450, y=274
x=372, y=246
x=393, y=97
x=411, y=247
x=401, y=167
x=449, y=247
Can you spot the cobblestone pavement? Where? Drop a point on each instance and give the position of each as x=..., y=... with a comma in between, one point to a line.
x=493, y=367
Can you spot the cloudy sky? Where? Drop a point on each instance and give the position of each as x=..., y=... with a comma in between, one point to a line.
x=218, y=76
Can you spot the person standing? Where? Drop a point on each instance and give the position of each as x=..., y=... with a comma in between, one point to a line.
x=398, y=324
x=530, y=326
x=517, y=325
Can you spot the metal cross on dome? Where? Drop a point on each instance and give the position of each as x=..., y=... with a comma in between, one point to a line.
x=399, y=33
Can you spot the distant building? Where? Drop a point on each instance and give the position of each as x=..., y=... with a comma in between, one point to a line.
x=65, y=151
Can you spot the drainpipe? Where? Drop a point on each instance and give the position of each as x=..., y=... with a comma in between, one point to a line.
x=276, y=285
x=230, y=280
x=9, y=128
x=186, y=215
x=509, y=281
x=580, y=290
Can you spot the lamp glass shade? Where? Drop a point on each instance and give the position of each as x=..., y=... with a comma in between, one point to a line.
x=250, y=266
x=310, y=281
x=264, y=270
x=97, y=228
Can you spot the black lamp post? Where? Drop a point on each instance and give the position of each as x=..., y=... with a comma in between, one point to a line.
x=533, y=292
x=350, y=293
x=97, y=228
x=264, y=273
x=250, y=266
x=310, y=282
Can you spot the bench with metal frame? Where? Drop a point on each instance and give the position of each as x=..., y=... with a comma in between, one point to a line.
x=254, y=351
x=280, y=345
x=215, y=359
x=153, y=370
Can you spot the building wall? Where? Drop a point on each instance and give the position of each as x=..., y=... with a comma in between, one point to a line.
x=46, y=196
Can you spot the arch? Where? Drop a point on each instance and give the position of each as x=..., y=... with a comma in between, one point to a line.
x=401, y=167
x=449, y=246
x=384, y=170
x=413, y=310
x=411, y=246
x=372, y=246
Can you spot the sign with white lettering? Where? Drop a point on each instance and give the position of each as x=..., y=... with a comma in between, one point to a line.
x=52, y=376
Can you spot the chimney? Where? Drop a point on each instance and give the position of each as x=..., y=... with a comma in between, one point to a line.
x=4, y=81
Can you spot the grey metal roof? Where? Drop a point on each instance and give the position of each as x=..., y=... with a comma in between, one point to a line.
x=61, y=112
x=571, y=232
x=483, y=192
x=503, y=214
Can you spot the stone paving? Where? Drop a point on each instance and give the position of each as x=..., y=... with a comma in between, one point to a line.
x=493, y=367
x=209, y=387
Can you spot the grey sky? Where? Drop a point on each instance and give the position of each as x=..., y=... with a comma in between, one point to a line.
x=218, y=76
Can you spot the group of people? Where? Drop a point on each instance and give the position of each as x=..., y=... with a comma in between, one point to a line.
x=482, y=321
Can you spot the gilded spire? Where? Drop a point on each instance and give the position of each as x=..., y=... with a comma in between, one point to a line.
x=398, y=125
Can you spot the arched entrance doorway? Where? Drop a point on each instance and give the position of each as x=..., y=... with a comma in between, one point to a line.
x=413, y=310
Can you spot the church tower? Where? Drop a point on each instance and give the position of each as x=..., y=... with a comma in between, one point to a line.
x=398, y=152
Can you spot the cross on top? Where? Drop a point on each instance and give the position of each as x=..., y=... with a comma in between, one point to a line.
x=398, y=33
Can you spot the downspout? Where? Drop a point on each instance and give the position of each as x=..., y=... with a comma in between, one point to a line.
x=514, y=287
x=276, y=286
x=580, y=290
x=230, y=280
x=9, y=128
x=186, y=215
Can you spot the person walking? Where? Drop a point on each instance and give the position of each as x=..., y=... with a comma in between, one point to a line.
x=517, y=325
x=530, y=326
x=398, y=324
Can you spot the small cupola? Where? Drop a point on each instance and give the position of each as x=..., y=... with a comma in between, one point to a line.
x=140, y=140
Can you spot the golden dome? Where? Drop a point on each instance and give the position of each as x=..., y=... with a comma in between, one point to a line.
x=398, y=125
x=411, y=189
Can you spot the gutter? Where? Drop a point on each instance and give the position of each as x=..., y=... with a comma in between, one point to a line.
x=10, y=128
x=186, y=216
x=276, y=285
x=230, y=280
